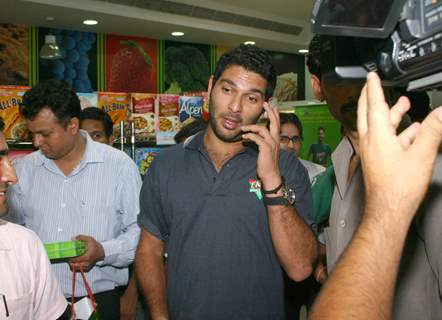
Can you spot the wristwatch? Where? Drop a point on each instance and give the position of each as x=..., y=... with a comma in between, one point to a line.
x=288, y=197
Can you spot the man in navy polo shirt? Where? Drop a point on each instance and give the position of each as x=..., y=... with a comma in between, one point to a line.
x=229, y=207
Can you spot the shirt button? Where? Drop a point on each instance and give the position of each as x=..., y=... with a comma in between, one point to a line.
x=342, y=223
x=63, y=205
x=66, y=180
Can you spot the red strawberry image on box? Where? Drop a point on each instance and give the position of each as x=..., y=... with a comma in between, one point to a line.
x=131, y=69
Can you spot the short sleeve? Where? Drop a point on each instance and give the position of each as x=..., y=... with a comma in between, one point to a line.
x=48, y=300
x=152, y=216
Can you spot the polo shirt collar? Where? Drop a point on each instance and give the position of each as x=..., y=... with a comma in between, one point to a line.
x=196, y=142
x=91, y=154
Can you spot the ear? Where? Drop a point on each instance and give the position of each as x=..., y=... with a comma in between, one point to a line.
x=73, y=125
x=209, y=86
x=110, y=141
x=317, y=89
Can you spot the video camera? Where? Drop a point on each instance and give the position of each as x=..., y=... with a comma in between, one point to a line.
x=400, y=39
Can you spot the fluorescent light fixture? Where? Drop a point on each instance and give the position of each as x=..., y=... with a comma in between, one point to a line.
x=252, y=43
x=90, y=22
x=50, y=50
x=177, y=34
x=303, y=51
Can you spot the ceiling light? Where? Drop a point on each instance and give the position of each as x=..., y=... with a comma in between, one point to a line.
x=252, y=43
x=303, y=51
x=49, y=19
x=90, y=22
x=50, y=50
x=177, y=34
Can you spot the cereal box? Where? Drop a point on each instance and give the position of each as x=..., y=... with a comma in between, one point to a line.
x=88, y=100
x=167, y=122
x=203, y=94
x=143, y=115
x=116, y=105
x=15, y=126
x=144, y=158
x=190, y=107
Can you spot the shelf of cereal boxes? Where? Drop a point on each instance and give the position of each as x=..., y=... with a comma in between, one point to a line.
x=146, y=122
x=143, y=121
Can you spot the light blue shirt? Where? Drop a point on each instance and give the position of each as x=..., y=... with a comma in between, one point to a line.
x=99, y=198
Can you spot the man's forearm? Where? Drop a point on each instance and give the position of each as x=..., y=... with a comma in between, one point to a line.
x=294, y=241
x=151, y=275
x=365, y=276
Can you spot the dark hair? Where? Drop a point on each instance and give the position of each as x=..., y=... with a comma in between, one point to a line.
x=292, y=118
x=314, y=56
x=190, y=129
x=2, y=124
x=55, y=95
x=93, y=113
x=251, y=58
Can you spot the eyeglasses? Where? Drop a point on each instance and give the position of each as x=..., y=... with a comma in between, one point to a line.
x=286, y=140
x=5, y=304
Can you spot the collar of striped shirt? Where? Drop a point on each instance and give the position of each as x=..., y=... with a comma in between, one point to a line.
x=91, y=155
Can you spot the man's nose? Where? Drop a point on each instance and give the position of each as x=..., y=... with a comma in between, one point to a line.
x=236, y=104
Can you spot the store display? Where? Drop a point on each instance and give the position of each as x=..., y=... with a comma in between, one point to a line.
x=14, y=54
x=167, y=124
x=15, y=126
x=190, y=107
x=117, y=105
x=186, y=67
x=143, y=115
x=88, y=100
x=144, y=158
x=66, y=249
x=73, y=67
x=131, y=64
x=286, y=87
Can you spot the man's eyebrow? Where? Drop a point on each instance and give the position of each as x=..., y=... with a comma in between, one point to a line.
x=256, y=90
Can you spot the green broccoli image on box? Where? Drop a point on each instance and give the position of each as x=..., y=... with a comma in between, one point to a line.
x=186, y=69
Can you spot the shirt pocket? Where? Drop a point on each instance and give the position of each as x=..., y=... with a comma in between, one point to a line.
x=19, y=308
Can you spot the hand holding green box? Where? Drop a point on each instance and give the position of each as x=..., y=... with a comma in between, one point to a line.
x=67, y=249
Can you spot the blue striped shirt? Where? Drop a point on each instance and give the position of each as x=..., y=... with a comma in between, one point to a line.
x=99, y=198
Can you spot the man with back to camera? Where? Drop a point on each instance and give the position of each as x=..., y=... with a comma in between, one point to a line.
x=223, y=208
x=74, y=187
x=419, y=286
x=320, y=152
x=363, y=283
x=98, y=124
x=28, y=286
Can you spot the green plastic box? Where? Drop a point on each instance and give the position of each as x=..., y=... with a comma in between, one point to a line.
x=67, y=249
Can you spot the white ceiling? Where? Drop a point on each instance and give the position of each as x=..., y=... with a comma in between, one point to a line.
x=130, y=18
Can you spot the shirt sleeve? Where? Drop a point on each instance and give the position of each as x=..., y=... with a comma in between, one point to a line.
x=48, y=300
x=296, y=177
x=152, y=216
x=120, y=251
x=15, y=212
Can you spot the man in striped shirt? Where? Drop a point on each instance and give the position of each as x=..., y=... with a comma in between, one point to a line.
x=74, y=187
